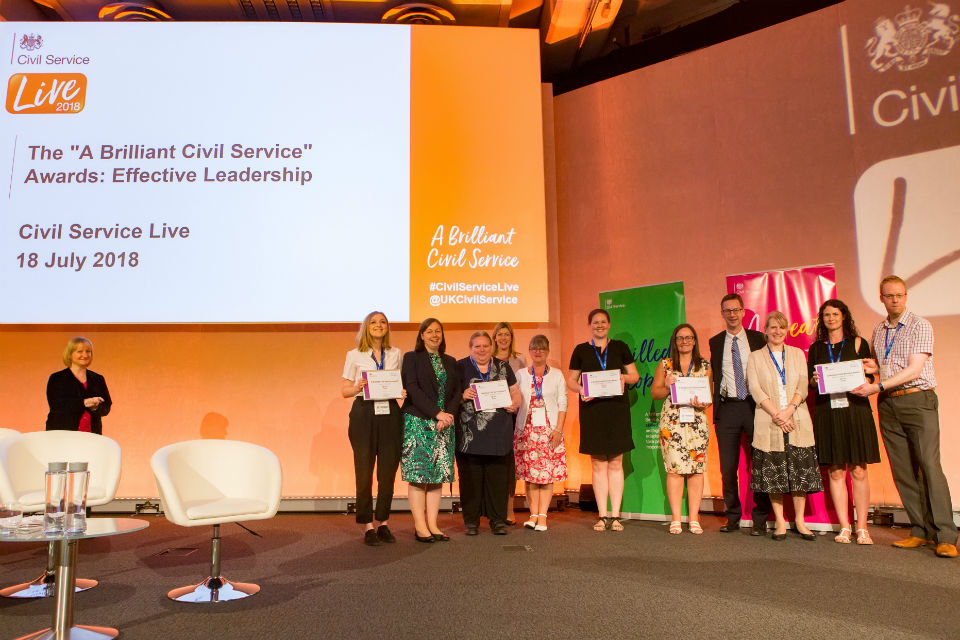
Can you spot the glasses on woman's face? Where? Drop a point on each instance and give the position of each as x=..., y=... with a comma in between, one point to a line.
x=686, y=339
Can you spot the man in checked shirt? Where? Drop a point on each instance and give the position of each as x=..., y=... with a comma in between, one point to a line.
x=909, y=420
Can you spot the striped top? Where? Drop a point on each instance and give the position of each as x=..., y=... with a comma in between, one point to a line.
x=915, y=335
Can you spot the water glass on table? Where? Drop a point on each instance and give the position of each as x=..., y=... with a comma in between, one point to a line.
x=10, y=516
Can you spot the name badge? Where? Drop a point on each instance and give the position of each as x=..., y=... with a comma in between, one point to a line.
x=381, y=408
x=538, y=417
x=687, y=414
x=782, y=392
x=839, y=401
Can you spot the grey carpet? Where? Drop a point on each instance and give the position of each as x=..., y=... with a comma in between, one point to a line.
x=319, y=581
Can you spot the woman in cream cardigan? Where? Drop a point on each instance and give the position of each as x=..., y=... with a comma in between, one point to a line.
x=538, y=443
x=784, y=458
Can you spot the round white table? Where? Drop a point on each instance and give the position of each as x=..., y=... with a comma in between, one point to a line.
x=65, y=550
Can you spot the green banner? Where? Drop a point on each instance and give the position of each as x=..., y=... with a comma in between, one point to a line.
x=644, y=318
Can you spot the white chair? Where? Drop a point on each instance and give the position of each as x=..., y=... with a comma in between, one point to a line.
x=23, y=465
x=212, y=482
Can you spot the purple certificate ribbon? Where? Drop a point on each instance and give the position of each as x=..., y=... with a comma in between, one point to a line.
x=820, y=382
x=366, y=387
x=586, y=387
x=476, y=401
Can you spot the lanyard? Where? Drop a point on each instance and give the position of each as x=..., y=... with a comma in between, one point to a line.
x=689, y=369
x=484, y=378
x=830, y=349
x=538, y=388
x=887, y=341
x=783, y=371
x=603, y=360
x=379, y=364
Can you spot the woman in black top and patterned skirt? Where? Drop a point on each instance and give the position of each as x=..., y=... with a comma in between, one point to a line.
x=846, y=435
x=605, y=431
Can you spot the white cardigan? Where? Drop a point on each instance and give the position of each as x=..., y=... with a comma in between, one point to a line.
x=554, y=395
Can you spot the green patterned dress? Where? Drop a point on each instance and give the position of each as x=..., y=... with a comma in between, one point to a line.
x=427, y=456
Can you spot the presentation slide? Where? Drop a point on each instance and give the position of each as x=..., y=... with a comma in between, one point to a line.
x=198, y=172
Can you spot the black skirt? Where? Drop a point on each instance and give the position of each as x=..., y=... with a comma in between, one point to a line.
x=793, y=470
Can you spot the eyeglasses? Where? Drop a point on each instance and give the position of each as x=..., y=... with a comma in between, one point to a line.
x=686, y=339
x=893, y=296
x=731, y=311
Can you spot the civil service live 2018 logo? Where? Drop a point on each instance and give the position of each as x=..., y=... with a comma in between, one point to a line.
x=56, y=92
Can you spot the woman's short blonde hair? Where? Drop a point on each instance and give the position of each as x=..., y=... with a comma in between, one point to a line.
x=72, y=346
x=480, y=334
x=778, y=317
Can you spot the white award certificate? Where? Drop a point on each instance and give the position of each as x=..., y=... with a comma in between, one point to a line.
x=684, y=389
x=840, y=377
x=491, y=395
x=382, y=385
x=601, y=384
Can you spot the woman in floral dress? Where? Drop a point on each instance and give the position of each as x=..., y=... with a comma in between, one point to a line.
x=432, y=382
x=538, y=447
x=684, y=431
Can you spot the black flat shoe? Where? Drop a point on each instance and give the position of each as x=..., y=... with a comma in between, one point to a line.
x=779, y=537
x=441, y=537
x=384, y=534
x=812, y=537
x=370, y=538
x=424, y=538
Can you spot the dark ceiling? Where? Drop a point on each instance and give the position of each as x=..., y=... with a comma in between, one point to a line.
x=582, y=41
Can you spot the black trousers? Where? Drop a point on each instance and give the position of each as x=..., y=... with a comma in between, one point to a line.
x=376, y=440
x=733, y=420
x=484, y=484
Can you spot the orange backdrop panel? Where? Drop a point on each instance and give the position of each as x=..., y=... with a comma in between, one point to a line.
x=476, y=161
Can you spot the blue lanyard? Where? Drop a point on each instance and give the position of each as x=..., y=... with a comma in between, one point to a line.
x=603, y=360
x=538, y=388
x=489, y=369
x=689, y=369
x=839, y=353
x=887, y=341
x=783, y=371
x=378, y=364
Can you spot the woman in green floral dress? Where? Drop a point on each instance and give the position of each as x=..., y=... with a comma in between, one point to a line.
x=432, y=382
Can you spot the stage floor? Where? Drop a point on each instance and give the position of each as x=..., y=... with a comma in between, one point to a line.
x=319, y=581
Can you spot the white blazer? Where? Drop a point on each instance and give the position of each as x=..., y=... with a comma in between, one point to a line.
x=554, y=395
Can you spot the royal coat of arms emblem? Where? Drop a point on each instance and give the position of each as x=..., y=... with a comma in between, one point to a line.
x=908, y=41
x=31, y=41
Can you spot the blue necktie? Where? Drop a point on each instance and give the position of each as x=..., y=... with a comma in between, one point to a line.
x=738, y=378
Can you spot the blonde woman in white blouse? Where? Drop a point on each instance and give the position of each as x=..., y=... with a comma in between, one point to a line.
x=375, y=429
x=784, y=457
x=538, y=445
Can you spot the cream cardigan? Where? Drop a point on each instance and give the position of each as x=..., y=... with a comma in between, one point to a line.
x=554, y=395
x=763, y=380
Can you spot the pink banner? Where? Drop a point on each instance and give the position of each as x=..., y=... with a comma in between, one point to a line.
x=798, y=294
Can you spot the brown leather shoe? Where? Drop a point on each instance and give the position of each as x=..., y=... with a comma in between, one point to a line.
x=912, y=542
x=946, y=550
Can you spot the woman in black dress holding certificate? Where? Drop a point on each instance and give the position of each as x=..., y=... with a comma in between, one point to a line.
x=375, y=428
x=605, y=432
x=485, y=438
x=846, y=436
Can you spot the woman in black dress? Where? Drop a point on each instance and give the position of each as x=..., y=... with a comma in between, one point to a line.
x=846, y=435
x=78, y=398
x=605, y=432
